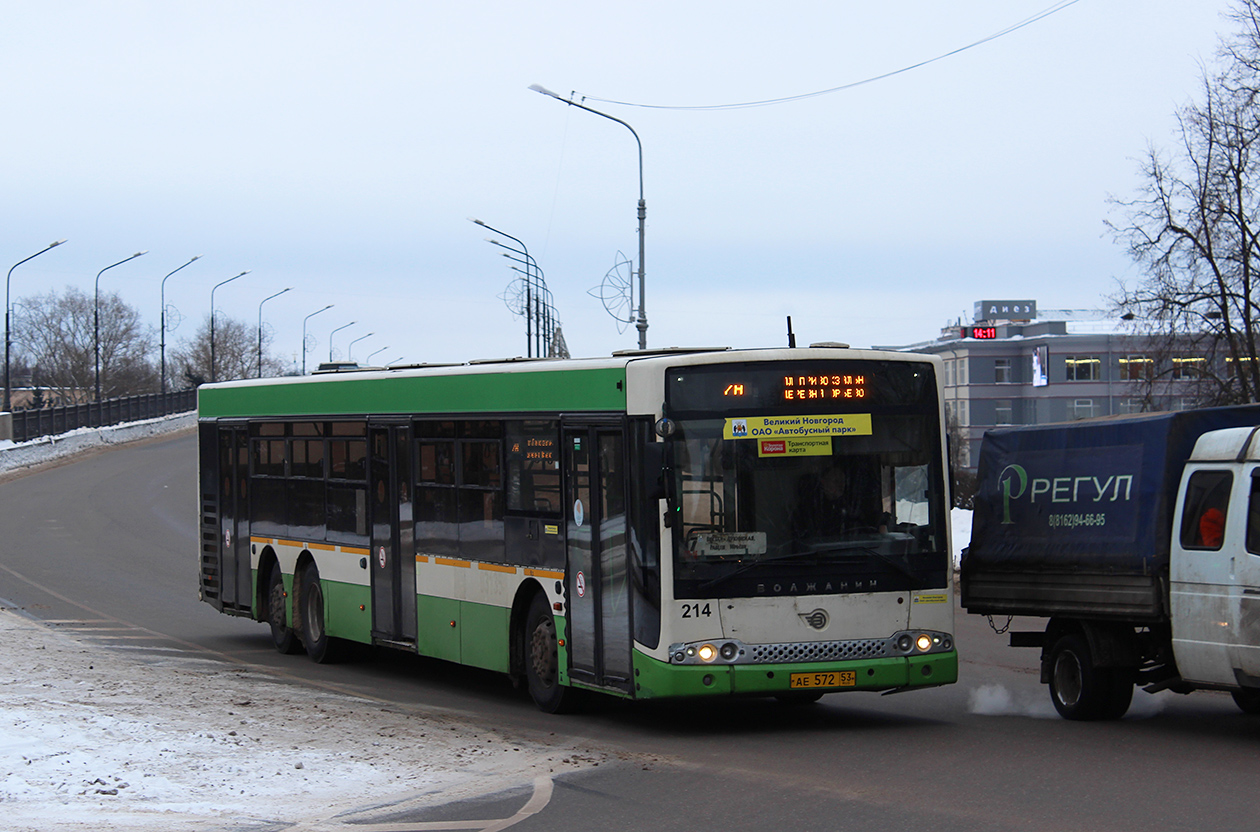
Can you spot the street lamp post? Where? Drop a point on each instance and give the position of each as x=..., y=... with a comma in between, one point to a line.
x=7, y=309
x=376, y=353
x=529, y=288
x=642, y=323
x=260, y=306
x=163, y=320
x=96, y=317
x=334, y=332
x=350, y=349
x=213, y=372
x=304, y=320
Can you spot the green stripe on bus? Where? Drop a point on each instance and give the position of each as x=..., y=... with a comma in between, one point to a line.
x=561, y=390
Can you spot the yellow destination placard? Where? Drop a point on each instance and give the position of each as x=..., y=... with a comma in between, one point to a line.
x=798, y=426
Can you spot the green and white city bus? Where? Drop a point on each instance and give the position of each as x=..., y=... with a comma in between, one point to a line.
x=654, y=524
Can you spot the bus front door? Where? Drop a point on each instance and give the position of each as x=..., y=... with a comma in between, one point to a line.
x=597, y=593
x=392, y=559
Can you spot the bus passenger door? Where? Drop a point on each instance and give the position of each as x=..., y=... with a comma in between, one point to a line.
x=235, y=569
x=597, y=593
x=393, y=563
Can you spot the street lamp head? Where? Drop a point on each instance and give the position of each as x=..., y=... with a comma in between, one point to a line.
x=54, y=245
x=140, y=253
x=541, y=89
x=474, y=219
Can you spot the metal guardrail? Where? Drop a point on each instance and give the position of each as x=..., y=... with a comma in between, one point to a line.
x=48, y=421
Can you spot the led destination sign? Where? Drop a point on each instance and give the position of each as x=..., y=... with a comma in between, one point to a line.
x=799, y=386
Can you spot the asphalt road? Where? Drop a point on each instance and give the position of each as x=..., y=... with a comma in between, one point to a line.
x=112, y=539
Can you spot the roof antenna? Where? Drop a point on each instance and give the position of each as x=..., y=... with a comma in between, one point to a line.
x=791, y=337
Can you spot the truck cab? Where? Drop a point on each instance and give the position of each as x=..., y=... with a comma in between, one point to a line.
x=1214, y=590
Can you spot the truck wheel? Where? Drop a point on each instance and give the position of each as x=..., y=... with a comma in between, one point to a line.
x=542, y=661
x=1081, y=691
x=1248, y=699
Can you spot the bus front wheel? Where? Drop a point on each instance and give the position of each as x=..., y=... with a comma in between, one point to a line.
x=542, y=661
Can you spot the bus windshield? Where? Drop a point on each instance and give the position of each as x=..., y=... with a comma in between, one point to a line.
x=838, y=495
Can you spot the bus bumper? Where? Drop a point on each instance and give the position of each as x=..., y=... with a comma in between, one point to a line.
x=655, y=679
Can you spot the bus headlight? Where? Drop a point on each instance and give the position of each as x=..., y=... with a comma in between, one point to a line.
x=923, y=642
x=724, y=651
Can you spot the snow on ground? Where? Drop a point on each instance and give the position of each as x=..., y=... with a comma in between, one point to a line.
x=97, y=739
x=102, y=739
x=18, y=455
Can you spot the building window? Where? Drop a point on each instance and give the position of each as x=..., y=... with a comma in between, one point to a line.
x=1002, y=412
x=1136, y=367
x=1186, y=368
x=962, y=372
x=949, y=373
x=1083, y=409
x=1132, y=406
x=1002, y=372
x=1084, y=368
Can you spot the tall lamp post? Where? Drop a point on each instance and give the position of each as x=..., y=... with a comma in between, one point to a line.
x=213, y=371
x=304, y=320
x=642, y=323
x=376, y=353
x=163, y=320
x=529, y=287
x=96, y=317
x=334, y=332
x=350, y=349
x=7, y=309
x=260, y=306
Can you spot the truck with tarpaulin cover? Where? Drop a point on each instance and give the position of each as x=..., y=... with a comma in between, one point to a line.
x=1137, y=538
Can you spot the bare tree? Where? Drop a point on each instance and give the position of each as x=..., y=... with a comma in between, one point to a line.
x=1194, y=227
x=235, y=353
x=56, y=334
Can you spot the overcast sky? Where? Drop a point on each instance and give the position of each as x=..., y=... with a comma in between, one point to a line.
x=339, y=149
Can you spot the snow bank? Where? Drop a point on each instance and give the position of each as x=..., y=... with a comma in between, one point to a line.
x=94, y=738
x=17, y=455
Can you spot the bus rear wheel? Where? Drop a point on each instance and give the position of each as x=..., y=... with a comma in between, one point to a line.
x=320, y=646
x=282, y=635
x=542, y=661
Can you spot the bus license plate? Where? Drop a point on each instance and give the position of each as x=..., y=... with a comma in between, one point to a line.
x=832, y=679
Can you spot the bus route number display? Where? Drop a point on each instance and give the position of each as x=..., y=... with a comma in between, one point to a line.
x=824, y=387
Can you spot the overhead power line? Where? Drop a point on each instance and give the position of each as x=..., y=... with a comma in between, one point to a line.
x=1041, y=15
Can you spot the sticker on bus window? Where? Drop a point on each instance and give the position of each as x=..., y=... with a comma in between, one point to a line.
x=579, y=513
x=798, y=427
x=813, y=446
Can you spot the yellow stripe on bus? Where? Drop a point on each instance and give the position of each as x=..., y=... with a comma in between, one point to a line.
x=494, y=567
x=352, y=550
x=544, y=573
x=263, y=540
x=463, y=564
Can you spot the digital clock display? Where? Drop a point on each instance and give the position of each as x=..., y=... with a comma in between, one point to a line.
x=983, y=332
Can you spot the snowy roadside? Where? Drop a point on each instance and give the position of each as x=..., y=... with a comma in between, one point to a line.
x=96, y=739
x=102, y=739
x=15, y=456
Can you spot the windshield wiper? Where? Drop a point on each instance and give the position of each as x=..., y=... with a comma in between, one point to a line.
x=806, y=558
